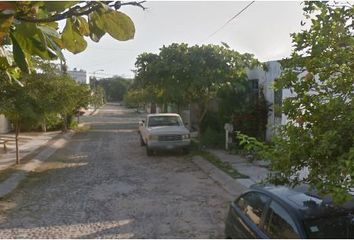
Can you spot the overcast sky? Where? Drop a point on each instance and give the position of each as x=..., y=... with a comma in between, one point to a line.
x=263, y=30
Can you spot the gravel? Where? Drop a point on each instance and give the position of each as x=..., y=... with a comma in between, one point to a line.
x=102, y=185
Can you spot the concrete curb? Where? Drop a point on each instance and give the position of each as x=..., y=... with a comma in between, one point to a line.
x=94, y=112
x=231, y=185
x=21, y=172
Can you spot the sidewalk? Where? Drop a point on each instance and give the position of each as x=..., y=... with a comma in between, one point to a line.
x=29, y=142
x=256, y=171
x=35, y=148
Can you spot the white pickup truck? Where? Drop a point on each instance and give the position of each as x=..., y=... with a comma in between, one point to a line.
x=164, y=131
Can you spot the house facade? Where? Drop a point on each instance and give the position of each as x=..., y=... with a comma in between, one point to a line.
x=266, y=78
x=4, y=124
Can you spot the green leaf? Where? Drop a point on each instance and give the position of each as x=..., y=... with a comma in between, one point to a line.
x=72, y=39
x=83, y=26
x=96, y=27
x=30, y=39
x=118, y=25
x=19, y=56
x=56, y=47
x=52, y=38
x=49, y=31
x=58, y=6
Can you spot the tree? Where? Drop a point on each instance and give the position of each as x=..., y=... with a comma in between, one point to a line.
x=181, y=75
x=97, y=97
x=18, y=107
x=70, y=97
x=146, y=87
x=245, y=107
x=31, y=28
x=44, y=96
x=319, y=134
x=114, y=88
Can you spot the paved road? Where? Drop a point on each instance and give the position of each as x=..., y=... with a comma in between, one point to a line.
x=102, y=185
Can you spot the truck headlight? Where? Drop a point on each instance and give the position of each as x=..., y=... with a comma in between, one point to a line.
x=186, y=136
x=153, y=137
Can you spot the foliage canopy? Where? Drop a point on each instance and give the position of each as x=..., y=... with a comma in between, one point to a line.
x=30, y=28
x=319, y=134
x=181, y=74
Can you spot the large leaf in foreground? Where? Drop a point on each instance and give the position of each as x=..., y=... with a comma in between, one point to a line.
x=118, y=25
x=72, y=39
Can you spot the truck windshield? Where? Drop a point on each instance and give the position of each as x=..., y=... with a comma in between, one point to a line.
x=157, y=121
x=331, y=227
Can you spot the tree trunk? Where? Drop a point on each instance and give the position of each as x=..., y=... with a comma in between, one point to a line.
x=153, y=108
x=203, y=110
x=17, y=131
x=65, y=123
x=178, y=108
x=44, y=126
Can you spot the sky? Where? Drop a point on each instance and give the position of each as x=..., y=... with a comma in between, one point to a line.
x=263, y=29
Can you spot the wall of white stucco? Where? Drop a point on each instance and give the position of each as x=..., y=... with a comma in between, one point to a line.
x=4, y=124
x=266, y=81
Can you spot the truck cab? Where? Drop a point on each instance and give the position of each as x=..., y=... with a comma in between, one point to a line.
x=164, y=131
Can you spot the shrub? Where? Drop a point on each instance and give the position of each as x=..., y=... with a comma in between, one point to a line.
x=213, y=138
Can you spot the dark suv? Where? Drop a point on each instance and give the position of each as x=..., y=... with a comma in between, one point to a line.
x=267, y=211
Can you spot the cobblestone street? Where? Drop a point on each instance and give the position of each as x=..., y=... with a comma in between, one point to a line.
x=102, y=185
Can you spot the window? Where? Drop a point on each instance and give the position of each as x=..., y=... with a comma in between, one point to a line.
x=278, y=223
x=254, y=91
x=253, y=204
x=254, y=85
x=165, y=121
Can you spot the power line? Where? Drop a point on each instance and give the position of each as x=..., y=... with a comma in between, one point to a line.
x=235, y=16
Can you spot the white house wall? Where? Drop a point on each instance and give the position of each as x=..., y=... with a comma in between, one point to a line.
x=266, y=81
x=4, y=124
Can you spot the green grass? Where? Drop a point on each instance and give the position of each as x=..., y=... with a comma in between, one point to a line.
x=79, y=129
x=223, y=166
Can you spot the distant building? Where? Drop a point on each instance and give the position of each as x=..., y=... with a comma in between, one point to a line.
x=80, y=76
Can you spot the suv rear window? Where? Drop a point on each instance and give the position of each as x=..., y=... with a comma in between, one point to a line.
x=253, y=204
x=279, y=224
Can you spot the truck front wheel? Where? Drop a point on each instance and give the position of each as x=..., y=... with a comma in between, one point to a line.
x=142, y=143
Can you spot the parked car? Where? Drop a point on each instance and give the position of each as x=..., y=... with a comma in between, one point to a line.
x=268, y=211
x=164, y=131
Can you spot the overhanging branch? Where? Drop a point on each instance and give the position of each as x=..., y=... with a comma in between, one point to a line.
x=79, y=11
